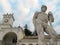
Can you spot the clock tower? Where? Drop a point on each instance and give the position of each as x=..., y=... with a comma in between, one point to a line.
x=8, y=19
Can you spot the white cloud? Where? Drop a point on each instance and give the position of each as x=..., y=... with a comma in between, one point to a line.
x=13, y=1
x=35, y=3
x=56, y=17
x=31, y=3
x=57, y=28
x=6, y=6
x=51, y=4
x=24, y=7
x=1, y=17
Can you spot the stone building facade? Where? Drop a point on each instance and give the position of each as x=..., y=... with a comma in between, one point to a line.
x=10, y=35
x=33, y=40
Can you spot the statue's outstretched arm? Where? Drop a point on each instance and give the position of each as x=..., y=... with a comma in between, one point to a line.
x=35, y=15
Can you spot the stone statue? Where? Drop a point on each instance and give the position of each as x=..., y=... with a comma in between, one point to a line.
x=40, y=21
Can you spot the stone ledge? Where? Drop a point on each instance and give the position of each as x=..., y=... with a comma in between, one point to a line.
x=36, y=37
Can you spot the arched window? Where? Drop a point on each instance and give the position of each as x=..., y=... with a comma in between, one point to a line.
x=22, y=44
x=36, y=44
x=9, y=38
x=30, y=44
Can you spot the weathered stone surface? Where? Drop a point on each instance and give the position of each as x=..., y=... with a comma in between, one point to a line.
x=40, y=21
x=8, y=33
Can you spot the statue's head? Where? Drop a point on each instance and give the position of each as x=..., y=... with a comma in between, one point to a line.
x=43, y=8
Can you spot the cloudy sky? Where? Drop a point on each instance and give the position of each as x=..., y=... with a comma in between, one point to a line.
x=24, y=10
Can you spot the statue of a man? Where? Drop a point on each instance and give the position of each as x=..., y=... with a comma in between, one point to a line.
x=40, y=21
